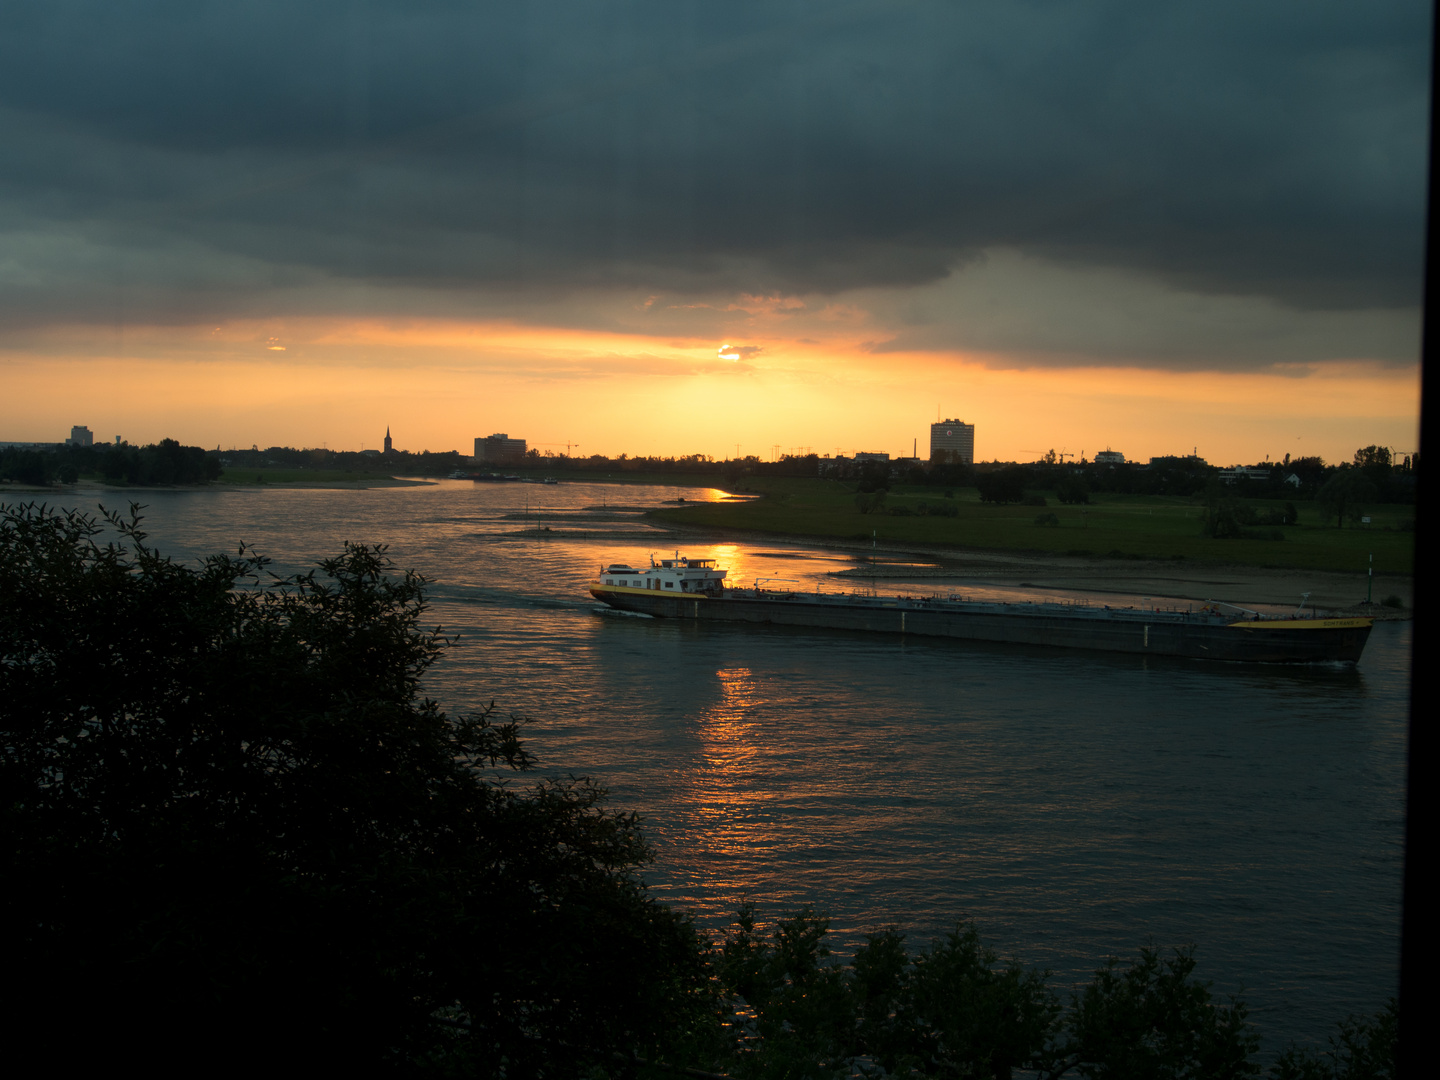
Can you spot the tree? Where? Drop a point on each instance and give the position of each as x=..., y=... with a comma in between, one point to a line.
x=26, y=467
x=1363, y=1048
x=165, y=462
x=1372, y=457
x=874, y=476
x=232, y=825
x=1004, y=485
x=974, y=1017
x=1344, y=495
x=1072, y=489
x=1151, y=1021
x=1221, y=519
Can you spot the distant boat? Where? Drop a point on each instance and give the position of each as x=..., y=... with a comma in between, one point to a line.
x=682, y=588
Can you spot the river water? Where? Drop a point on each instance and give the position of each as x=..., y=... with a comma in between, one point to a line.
x=1074, y=805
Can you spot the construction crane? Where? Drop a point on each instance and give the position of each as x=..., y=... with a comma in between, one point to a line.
x=567, y=445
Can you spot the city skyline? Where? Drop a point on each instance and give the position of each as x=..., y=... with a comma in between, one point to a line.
x=773, y=452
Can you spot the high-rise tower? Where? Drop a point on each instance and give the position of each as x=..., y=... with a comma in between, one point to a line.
x=952, y=441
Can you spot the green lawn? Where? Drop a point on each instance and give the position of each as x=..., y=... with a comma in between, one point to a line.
x=1131, y=526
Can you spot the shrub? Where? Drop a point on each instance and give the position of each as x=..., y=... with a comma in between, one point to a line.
x=938, y=509
x=1046, y=519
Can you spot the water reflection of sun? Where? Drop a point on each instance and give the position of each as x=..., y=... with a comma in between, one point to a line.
x=726, y=728
x=730, y=746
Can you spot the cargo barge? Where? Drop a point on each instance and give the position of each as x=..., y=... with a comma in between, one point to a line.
x=683, y=588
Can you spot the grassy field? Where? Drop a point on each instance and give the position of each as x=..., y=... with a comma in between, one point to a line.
x=1121, y=526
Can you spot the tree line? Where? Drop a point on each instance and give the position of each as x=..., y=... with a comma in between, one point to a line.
x=236, y=834
x=1342, y=493
x=411, y=463
x=163, y=463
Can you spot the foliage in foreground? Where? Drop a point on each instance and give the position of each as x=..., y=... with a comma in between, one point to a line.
x=1362, y=1048
x=231, y=827
x=232, y=830
x=954, y=1011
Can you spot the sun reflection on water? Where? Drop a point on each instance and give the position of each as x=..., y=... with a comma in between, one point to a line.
x=727, y=728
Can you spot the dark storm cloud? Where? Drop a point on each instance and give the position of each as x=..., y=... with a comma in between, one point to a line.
x=179, y=161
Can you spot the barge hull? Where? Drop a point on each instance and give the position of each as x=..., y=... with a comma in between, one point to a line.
x=1128, y=631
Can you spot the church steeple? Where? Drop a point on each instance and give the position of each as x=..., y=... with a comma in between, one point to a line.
x=387, y=438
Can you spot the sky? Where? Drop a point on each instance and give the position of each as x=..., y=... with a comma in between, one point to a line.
x=719, y=228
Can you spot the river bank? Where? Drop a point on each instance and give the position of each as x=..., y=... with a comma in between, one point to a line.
x=928, y=568
x=901, y=564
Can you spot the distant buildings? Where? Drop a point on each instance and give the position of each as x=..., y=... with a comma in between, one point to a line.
x=1109, y=457
x=387, y=439
x=499, y=448
x=861, y=455
x=952, y=441
x=1247, y=472
x=80, y=435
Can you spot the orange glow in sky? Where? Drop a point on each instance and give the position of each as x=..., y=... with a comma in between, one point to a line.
x=802, y=380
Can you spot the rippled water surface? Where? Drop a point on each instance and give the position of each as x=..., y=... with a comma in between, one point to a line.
x=1074, y=804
